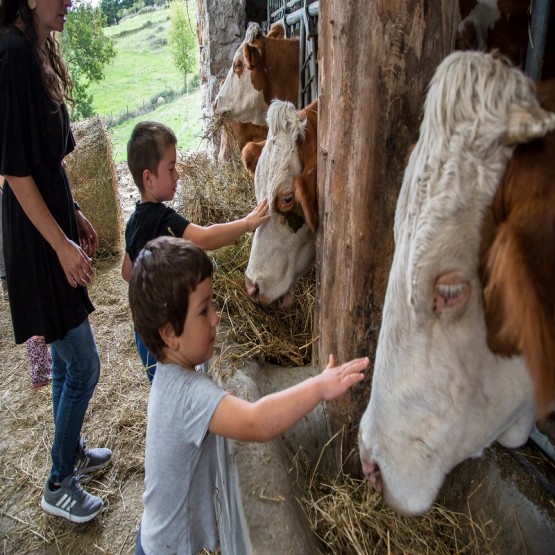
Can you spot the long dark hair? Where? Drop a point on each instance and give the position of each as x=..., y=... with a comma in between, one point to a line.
x=55, y=75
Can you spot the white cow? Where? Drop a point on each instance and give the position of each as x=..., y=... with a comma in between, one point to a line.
x=439, y=394
x=284, y=168
x=263, y=68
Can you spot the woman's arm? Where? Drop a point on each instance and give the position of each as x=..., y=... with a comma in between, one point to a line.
x=75, y=263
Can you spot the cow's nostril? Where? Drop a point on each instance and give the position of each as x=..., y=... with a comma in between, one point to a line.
x=253, y=290
x=374, y=476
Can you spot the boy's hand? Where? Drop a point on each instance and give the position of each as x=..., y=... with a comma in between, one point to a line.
x=258, y=216
x=336, y=380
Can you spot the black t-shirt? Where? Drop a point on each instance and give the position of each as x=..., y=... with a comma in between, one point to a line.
x=34, y=138
x=151, y=220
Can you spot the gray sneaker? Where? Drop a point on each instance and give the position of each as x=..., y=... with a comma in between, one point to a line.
x=70, y=501
x=89, y=460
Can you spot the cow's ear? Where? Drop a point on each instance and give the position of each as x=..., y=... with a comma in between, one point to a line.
x=306, y=194
x=250, y=155
x=306, y=185
x=526, y=123
x=518, y=312
x=277, y=31
x=252, y=56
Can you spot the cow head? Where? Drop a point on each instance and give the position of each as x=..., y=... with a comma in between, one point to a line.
x=263, y=68
x=439, y=394
x=284, y=168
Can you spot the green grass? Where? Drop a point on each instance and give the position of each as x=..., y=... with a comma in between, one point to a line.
x=143, y=69
x=183, y=116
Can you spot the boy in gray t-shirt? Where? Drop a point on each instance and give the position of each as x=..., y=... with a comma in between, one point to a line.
x=170, y=293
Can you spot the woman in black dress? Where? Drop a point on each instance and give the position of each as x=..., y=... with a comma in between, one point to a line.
x=47, y=240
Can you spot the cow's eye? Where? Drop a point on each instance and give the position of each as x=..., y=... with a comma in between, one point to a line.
x=286, y=202
x=238, y=65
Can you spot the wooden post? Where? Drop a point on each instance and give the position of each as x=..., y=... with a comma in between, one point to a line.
x=376, y=59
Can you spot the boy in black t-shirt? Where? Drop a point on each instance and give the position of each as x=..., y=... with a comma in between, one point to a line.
x=151, y=157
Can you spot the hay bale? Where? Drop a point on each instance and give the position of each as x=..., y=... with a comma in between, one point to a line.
x=211, y=193
x=92, y=175
x=349, y=517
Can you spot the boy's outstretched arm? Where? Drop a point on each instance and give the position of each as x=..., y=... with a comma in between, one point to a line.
x=220, y=235
x=271, y=415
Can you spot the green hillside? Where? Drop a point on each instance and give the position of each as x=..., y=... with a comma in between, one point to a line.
x=143, y=70
x=182, y=116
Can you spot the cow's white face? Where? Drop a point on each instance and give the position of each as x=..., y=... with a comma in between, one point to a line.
x=238, y=97
x=283, y=248
x=439, y=395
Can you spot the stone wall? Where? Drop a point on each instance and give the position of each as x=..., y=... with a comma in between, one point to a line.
x=221, y=29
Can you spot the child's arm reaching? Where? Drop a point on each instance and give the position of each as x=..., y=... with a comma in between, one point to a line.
x=271, y=415
x=219, y=235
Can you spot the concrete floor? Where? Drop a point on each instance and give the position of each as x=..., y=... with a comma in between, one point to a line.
x=262, y=516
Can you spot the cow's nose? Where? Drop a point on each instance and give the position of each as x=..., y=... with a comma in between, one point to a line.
x=372, y=472
x=252, y=288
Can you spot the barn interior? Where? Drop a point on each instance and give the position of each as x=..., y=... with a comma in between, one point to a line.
x=512, y=489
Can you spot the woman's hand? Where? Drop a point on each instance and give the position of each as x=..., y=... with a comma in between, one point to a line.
x=75, y=263
x=88, y=239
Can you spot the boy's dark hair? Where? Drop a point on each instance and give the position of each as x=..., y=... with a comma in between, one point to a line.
x=165, y=273
x=146, y=147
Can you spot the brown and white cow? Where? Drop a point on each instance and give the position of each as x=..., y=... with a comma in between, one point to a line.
x=468, y=317
x=264, y=68
x=235, y=135
x=502, y=25
x=284, y=168
x=489, y=24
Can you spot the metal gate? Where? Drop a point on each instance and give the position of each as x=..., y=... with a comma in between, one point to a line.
x=300, y=19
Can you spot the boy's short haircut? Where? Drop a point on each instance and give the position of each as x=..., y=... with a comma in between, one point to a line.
x=165, y=273
x=146, y=147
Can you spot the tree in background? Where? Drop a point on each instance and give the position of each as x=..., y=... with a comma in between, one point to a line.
x=86, y=51
x=111, y=10
x=182, y=38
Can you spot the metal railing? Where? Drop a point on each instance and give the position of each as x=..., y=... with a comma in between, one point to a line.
x=300, y=19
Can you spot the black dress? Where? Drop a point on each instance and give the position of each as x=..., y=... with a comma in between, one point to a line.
x=34, y=138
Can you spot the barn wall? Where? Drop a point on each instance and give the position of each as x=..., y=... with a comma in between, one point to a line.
x=376, y=58
x=221, y=29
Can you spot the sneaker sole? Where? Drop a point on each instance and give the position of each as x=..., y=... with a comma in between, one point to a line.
x=54, y=511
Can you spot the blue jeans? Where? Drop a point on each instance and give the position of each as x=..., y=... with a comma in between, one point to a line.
x=138, y=544
x=75, y=373
x=147, y=358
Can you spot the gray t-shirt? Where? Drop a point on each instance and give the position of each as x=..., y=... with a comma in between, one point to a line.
x=179, y=515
